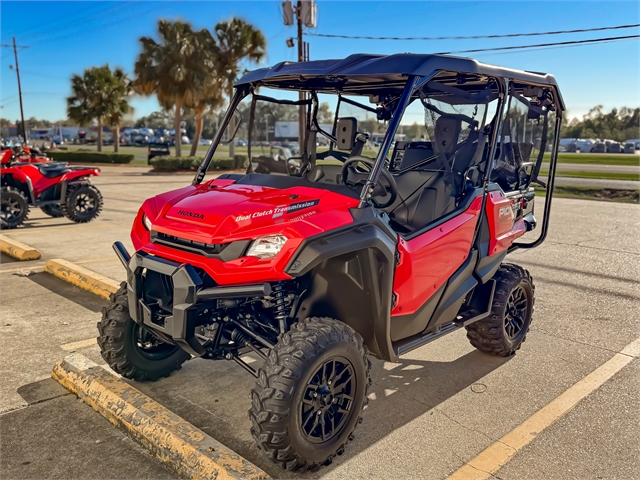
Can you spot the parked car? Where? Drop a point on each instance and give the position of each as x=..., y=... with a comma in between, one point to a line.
x=205, y=142
x=157, y=150
x=185, y=140
x=629, y=147
x=598, y=147
x=585, y=144
x=241, y=143
x=613, y=147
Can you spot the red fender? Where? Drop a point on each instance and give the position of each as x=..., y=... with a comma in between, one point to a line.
x=76, y=174
x=16, y=173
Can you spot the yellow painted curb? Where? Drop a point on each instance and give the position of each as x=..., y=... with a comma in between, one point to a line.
x=17, y=249
x=187, y=450
x=82, y=277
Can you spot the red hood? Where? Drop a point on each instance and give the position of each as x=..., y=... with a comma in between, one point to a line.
x=221, y=211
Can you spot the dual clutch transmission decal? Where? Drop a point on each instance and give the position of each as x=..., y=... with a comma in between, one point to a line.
x=278, y=211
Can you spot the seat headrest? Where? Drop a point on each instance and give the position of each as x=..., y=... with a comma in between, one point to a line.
x=315, y=174
x=347, y=129
x=447, y=131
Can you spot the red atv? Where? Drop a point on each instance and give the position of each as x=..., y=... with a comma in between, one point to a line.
x=57, y=188
x=24, y=155
x=355, y=251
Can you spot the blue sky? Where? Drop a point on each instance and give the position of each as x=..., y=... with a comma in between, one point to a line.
x=67, y=37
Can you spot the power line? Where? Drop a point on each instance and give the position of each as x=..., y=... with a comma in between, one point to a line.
x=57, y=36
x=519, y=47
x=63, y=22
x=473, y=37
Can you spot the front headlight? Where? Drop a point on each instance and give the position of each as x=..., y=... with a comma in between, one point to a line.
x=266, y=247
x=146, y=222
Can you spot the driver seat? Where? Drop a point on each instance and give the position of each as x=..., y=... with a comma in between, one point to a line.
x=429, y=193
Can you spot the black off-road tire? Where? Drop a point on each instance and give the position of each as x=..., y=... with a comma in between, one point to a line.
x=283, y=381
x=53, y=210
x=76, y=193
x=15, y=208
x=490, y=335
x=118, y=344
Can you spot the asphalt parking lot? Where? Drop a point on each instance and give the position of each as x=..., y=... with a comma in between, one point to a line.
x=429, y=415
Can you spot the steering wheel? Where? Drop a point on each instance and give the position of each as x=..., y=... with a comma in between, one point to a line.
x=349, y=169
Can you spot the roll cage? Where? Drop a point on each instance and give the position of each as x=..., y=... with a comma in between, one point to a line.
x=393, y=83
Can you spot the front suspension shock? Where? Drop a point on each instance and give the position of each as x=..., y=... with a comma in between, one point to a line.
x=280, y=309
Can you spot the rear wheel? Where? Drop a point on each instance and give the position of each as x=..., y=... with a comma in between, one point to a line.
x=310, y=394
x=14, y=208
x=53, y=210
x=505, y=329
x=131, y=350
x=83, y=203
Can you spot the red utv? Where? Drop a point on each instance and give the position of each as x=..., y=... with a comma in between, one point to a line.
x=57, y=188
x=356, y=251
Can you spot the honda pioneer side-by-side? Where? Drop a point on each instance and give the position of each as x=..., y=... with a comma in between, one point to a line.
x=359, y=248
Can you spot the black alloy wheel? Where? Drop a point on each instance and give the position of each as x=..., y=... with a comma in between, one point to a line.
x=505, y=329
x=310, y=394
x=14, y=208
x=83, y=203
x=516, y=312
x=327, y=400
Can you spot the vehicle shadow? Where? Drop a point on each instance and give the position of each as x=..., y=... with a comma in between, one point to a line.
x=45, y=222
x=7, y=259
x=74, y=294
x=214, y=396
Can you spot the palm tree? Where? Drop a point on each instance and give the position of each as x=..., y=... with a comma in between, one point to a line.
x=97, y=95
x=205, y=82
x=120, y=88
x=236, y=40
x=79, y=104
x=171, y=69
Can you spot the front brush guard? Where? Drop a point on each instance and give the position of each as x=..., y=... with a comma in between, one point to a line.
x=180, y=326
x=187, y=293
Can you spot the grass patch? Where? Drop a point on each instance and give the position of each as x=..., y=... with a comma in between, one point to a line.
x=599, y=175
x=596, y=159
x=593, y=193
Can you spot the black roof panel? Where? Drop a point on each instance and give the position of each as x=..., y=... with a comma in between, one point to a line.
x=395, y=65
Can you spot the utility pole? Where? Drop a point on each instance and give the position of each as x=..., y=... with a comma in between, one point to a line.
x=24, y=127
x=302, y=113
x=305, y=15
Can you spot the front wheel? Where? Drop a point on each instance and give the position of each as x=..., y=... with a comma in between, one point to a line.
x=310, y=394
x=83, y=203
x=505, y=329
x=14, y=208
x=131, y=350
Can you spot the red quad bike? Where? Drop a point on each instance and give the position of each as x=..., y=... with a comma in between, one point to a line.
x=57, y=188
x=356, y=252
x=24, y=155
